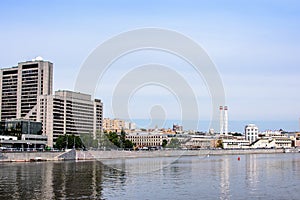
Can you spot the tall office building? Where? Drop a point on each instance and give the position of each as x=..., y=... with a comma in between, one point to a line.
x=21, y=85
x=69, y=112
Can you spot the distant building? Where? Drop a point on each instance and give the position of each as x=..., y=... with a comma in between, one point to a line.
x=198, y=141
x=273, y=139
x=146, y=139
x=117, y=125
x=251, y=132
x=69, y=112
x=21, y=85
x=177, y=128
x=130, y=126
x=234, y=143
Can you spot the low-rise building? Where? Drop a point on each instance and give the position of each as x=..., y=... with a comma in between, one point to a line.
x=22, y=134
x=235, y=143
x=199, y=141
x=146, y=139
x=272, y=139
x=297, y=139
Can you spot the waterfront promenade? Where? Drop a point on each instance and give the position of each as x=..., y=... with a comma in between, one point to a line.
x=113, y=154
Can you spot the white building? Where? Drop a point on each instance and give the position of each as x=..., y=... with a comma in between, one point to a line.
x=251, y=132
x=69, y=112
x=273, y=142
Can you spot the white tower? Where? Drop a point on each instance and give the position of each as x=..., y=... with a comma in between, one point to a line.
x=225, y=120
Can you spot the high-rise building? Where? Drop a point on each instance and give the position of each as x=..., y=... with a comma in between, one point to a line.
x=69, y=112
x=21, y=85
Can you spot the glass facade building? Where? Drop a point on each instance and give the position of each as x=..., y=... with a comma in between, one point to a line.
x=18, y=127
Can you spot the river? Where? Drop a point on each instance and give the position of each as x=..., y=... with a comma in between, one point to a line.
x=254, y=176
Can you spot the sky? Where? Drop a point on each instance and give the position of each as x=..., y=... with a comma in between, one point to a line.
x=254, y=45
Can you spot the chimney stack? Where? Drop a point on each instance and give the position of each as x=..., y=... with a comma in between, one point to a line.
x=223, y=120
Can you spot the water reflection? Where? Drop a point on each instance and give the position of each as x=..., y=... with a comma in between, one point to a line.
x=51, y=180
x=216, y=177
x=140, y=166
x=252, y=173
x=224, y=179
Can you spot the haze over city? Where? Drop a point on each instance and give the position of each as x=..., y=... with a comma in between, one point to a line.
x=254, y=46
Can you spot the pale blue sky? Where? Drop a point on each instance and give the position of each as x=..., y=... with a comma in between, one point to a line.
x=254, y=44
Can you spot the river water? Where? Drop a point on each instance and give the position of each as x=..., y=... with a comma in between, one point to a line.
x=256, y=176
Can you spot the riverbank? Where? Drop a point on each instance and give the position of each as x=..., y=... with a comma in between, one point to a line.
x=104, y=155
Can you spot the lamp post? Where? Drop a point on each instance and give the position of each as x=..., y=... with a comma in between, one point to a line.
x=74, y=143
x=66, y=142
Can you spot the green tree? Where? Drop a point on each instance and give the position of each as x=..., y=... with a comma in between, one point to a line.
x=122, y=139
x=237, y=134
x=116, y=140
x=89, y=141
x=174, y=143
x=68, y=141
x=128, y=144
x=164, y=143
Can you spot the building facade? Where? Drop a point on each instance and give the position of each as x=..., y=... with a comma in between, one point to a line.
x=251, y=132
x=146, y=139
x=69, y=112
x=21, y=85
x=21, y=134
x=117, y=125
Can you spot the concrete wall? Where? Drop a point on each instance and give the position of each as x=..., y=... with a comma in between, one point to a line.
x=139, y=154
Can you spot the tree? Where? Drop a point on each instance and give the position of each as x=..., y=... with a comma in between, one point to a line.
x=174, y=143
x=89, y=141
x=122, y=139
x=164, y=143
x=128, y=144
x=219, y=144
x=237, y=134
x=68, y=141
x=114, y=138
x=119, y=141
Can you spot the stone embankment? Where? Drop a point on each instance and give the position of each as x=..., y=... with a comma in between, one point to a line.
x=102, y=155
x=37, y=156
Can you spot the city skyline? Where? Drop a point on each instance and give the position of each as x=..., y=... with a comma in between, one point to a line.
x=254, y=46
